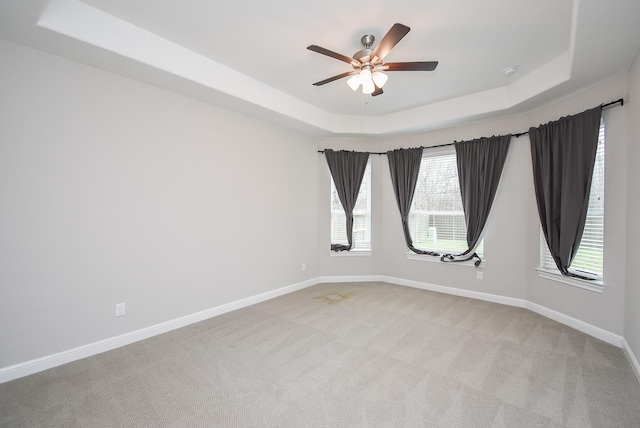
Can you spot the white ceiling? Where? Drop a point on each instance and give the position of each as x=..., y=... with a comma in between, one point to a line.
x=251, y=56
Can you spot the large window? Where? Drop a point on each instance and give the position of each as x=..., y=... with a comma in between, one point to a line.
x=589, y=258
x=436, y=218
x=361, y=215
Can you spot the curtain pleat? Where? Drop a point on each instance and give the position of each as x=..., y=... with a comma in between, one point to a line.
x=404, y=166
x=563, y=155
x=480, y=164
x=347, y=170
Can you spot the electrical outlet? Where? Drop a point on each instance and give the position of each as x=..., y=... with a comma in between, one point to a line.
x=120, y=309
x=304, y=267
x=479, y=274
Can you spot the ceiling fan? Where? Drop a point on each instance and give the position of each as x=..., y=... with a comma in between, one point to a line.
x=368, y=64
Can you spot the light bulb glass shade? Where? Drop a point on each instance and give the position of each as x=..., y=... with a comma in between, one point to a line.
x=354, y=82
x=365, y=75
x=366, y=82
x=379, y=78
x=368, y=87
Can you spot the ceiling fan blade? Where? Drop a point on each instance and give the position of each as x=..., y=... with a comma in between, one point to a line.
x=411, y=66
x=331, y=79
x=378, y=91
x=332, y=54
x=395, y=34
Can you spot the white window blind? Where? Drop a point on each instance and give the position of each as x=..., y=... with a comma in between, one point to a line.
x=361, y=215
x=436, y=218
x=589, y=258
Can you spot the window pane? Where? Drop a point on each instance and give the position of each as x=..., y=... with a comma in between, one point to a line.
x=436, y=218
x=361, y=215
x=590, y=253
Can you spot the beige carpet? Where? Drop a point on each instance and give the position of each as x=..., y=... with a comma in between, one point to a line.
x=343, y=355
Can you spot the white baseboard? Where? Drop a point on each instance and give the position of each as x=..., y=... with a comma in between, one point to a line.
x=350, y=278
x=426, y=286
x=632, y=358
x=591, y=330
x=582, y=326
x=54, y=360
x=50, y=361
x=478, y=295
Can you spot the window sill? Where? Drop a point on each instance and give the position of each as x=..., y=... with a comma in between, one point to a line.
x=596, y=286
x=433, y=259
x=352, y=253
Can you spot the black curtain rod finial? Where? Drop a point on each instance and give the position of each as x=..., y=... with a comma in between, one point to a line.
x=618, y=101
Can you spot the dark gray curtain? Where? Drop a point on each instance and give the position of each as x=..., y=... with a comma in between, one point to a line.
x=404, y=166
x=563, y=154
x=480, y=163
x=347, y=170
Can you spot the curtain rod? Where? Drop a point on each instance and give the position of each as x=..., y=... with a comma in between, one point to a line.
x=609, y=104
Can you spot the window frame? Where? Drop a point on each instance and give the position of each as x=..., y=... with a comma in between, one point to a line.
x=360, y=247
x=547, y=268
x=441, y=152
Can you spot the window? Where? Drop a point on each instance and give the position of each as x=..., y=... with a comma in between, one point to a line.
x=361, y=215
x=589, y=258
x=436, y=218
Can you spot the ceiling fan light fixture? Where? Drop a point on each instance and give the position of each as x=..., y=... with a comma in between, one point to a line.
x=368, y=62
x=365, y=76
x=354, y=82
x=379, y=78
x=365, y=80
x=368, y=87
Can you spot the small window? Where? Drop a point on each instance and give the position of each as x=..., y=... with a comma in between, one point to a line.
x=589, y=258
x=361, y=215
x=436, y=218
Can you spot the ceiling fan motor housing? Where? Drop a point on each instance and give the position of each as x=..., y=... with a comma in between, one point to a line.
x=364, y=55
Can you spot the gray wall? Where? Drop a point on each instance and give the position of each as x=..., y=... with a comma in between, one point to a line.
x=604, y=310
x=389, y=249
x=116, y=191
x=632, y=296
x=512, y=236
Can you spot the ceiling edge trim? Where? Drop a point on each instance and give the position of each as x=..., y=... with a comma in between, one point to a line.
x=90, y=25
